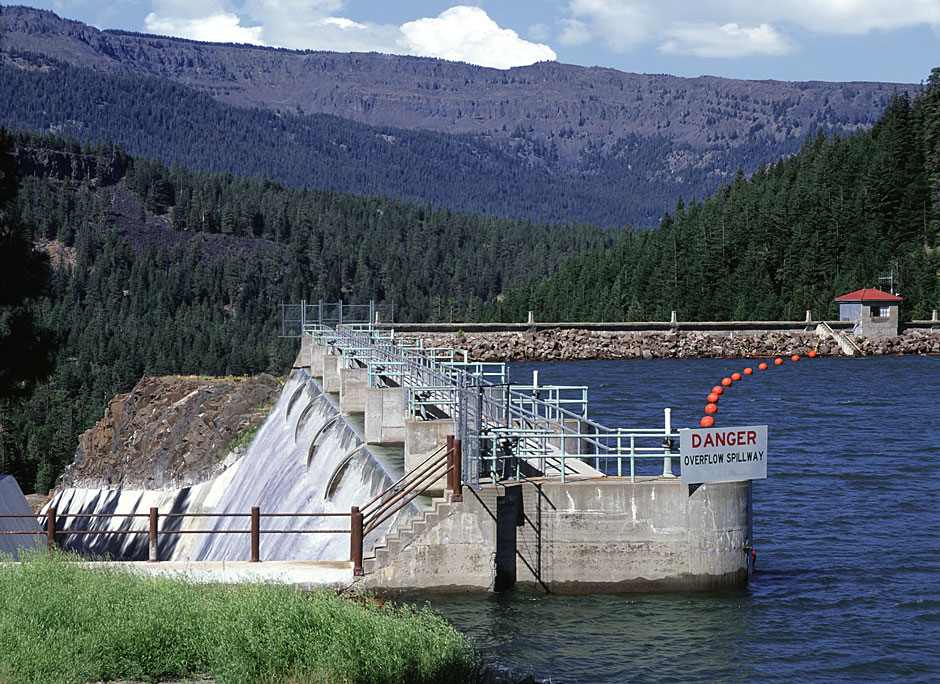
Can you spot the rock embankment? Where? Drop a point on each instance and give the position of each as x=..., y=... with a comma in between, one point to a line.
x=567, y=345
x=170, y=432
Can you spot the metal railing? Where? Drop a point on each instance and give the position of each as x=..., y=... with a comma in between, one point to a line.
x=505, y=452
x=444, y=462
x=52, y=531
x=546, y=424
x=296, y=317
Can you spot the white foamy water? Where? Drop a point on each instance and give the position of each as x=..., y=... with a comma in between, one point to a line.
x=294, y=466
x=304, y=459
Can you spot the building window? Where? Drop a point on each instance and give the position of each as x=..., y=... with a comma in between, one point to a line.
x=884, y=311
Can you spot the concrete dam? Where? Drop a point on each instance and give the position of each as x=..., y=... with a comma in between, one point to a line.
x=410, y=469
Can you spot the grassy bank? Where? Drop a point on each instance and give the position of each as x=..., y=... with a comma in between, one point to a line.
x=61, y=622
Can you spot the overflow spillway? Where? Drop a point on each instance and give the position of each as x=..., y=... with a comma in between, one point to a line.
x=304, y=461
x=429, y=472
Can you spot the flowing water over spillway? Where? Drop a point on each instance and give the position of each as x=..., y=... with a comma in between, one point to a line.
x=304, y=459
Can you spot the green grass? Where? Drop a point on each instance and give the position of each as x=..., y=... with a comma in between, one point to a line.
x=61, y=621
x=244, y=439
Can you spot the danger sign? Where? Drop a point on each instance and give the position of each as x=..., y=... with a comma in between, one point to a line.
x=723, y=454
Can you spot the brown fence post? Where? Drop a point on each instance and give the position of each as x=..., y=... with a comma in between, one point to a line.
x=255, y=534
x=457, y=490
x=355, y=539
x=50, y=529
x=451, y=482
x=154, y=553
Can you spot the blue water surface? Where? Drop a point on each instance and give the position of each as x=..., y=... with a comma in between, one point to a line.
x=847, y=532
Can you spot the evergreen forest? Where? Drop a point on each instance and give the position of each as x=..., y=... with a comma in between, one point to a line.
x=799, y=232
x=164, y=270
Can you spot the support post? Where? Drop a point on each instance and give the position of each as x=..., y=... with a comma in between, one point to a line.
x=50, y=530
x=667, y=445
x=154, y=552
x=355, y=540
x=457, y=473
x=451, y=481
x=255, y=534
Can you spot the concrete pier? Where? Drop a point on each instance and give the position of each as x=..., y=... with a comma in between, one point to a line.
x=588, y=536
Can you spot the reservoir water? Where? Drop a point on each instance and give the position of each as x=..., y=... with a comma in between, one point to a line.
x=846, y=586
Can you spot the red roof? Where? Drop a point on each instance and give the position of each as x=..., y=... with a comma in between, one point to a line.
x=869, y=294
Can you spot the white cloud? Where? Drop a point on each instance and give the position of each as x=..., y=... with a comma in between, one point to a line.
x=217, y=28
x=539, y=32
x=461, y=33
x=734, y=28
x=467, y=34
x=574, y=32
x=341, y=22
x=729, y=40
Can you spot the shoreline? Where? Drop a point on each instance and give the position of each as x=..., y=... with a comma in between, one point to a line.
x=556, y=344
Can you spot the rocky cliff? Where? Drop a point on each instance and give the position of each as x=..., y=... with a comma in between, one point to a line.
x=171, y=431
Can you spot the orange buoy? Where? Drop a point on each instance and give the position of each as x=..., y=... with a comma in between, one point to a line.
x=713, y=398
x=762, y=366
x=812, y=354
x=795, y=357
x=777, y=362
x=711, y=408
x=707, y=421
x=748, y=371
x=717, y=389
x=735, y=376
x=726, y=382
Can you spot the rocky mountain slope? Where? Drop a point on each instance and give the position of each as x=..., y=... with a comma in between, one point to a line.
x=591, y=126
x=170, y=431
x=573, y=106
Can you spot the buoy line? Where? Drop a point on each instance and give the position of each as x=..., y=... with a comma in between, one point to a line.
x=711, y=408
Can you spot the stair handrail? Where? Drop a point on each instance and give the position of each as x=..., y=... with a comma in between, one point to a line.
x=841, y=336
x=390, y=511
x=399, y=484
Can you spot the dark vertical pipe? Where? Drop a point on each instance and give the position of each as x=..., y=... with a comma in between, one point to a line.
x=355, y=539
x=255, y=534
x=451, y=482
x=50, y=529
x=457, y=473
x=154, y=553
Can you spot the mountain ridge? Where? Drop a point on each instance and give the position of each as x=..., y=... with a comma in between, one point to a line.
x=432, y=94
x=575, y=122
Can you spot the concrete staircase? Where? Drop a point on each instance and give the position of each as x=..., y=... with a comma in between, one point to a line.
x=391, y=545
x=846, y=343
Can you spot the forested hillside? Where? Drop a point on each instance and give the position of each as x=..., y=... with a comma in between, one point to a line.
x=160, y=119
x=798, y=233
x=163, y=270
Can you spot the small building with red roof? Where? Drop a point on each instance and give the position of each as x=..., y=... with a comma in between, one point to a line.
x=874, y=312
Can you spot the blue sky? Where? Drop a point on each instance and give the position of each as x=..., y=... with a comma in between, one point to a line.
x=791, y=40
